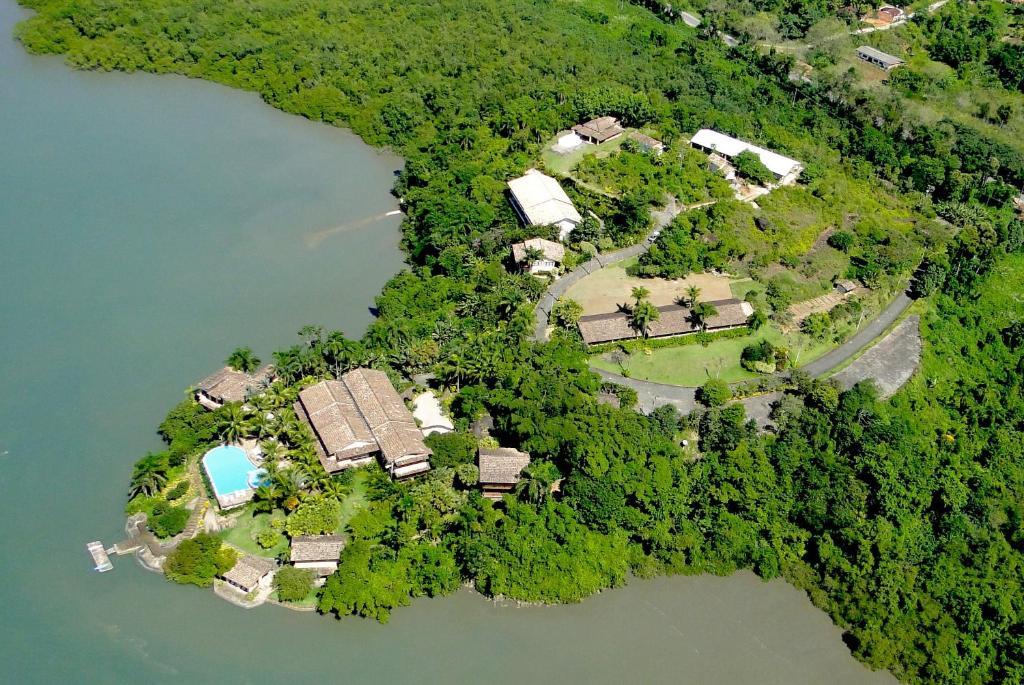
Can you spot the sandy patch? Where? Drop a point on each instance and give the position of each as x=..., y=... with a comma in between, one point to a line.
x=602, y=291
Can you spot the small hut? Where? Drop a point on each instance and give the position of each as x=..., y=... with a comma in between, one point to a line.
x=230, y=385
x=318, y=553
x=600, y=130
x=250, y=573
x=500, y=468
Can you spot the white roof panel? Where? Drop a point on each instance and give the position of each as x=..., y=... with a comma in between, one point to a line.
x=730, y=147
x=542, y=199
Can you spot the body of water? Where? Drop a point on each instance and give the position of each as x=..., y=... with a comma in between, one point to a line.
x=147, y=226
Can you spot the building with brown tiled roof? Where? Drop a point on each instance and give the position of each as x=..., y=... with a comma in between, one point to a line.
x=250, y=573
x=319, y=553
x=500, y=468
x=230, y=385
x=599, y=130
x=359, y=417
x=673, y=320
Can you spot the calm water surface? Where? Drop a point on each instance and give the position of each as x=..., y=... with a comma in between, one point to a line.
x=147, y=226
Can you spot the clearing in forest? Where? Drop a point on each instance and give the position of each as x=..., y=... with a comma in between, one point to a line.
x=604, y=290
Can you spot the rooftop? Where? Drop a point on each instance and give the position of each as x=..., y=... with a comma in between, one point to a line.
x=674, y=319
x=502, y=465
x=248, y=571
x=542, y=199
x=230, y=385
x=600, y=129
x=550, y=249
x=730, y=147
x=876, y=54
x=317, y=547
x=359, y=414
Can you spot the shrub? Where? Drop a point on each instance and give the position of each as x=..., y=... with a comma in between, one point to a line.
x=293, y=584
x=199, y=560
x=714, y=393
x=841, y=240
x=177, y=492
x=763, y=357
x=169, y=521
x=268, y=539
x=313, y=517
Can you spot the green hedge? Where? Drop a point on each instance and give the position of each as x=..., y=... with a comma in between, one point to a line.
x=637, y=344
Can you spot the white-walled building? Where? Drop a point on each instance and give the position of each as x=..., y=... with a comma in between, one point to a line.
x=551, y=255
x=540, y=201
x=786, y=170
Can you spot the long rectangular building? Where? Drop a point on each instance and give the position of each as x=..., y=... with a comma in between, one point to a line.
x=359, y=417
x=673, y=320
x=784, y=169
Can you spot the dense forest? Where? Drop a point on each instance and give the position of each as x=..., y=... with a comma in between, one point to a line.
x=902, y=519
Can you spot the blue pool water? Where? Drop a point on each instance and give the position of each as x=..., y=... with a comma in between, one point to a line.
x=230, y=471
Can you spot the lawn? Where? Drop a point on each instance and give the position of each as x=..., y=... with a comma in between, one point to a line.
x=692, y=365
x=562, y=164
x=242, y=535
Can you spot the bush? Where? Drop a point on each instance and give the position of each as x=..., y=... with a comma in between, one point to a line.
x=167, y=522
x=293, y=584
x=841, y=240
x=177, y=492
x=315, y=516
x=714, y=393
x=268, y=539
x=763, y=357
x=199, y=560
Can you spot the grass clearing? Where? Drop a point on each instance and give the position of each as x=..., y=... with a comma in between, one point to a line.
x=243, y=534
x=692, y=365
x=562, y=163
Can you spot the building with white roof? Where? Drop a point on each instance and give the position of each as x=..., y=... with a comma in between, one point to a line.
x=786, y=170
x=540, y=201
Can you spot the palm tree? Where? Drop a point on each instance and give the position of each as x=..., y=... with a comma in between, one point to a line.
x=533, y=254
x=535, y=485
x=262, y=427
x=642, y=315
x=692, y=293
x=701, y=313
x=640, y=294
x=147, y=482
x=335, y=489
x=311, y=335
x=243, y=359
x=231, y=424
x=273, y=450
x=266, y=496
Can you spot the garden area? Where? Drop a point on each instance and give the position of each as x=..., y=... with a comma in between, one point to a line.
x=691, y=364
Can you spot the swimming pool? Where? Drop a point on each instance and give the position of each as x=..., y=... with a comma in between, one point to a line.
x=232, y=475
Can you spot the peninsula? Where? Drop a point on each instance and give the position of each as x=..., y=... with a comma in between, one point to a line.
x=599, y=195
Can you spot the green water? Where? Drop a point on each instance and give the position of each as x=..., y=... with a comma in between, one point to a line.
x=147, y=226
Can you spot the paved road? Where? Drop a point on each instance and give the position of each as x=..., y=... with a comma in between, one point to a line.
x=888, y=362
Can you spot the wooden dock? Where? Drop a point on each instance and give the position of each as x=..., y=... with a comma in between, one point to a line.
x=99, y=556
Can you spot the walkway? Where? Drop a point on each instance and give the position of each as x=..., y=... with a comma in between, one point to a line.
x=890, y=364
